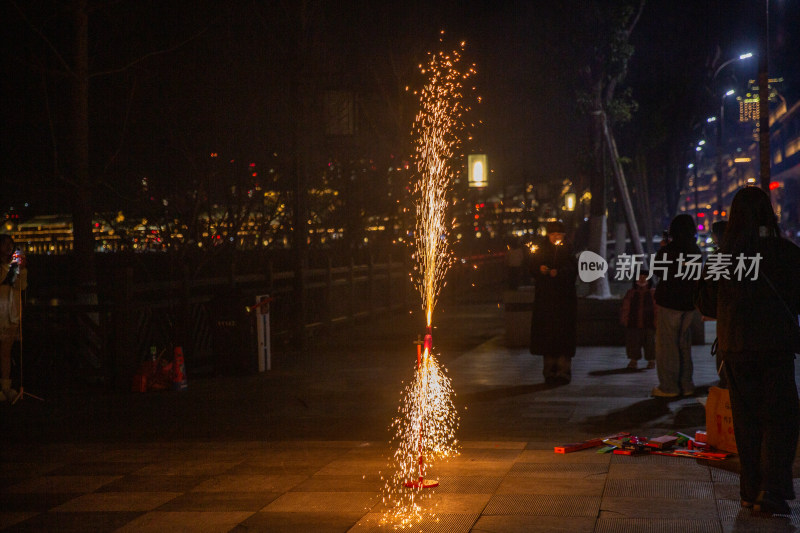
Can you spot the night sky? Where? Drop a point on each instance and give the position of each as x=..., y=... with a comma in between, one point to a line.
x=225, y=86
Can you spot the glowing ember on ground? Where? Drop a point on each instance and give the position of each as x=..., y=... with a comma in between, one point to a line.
x=425, y=424
x=424, y=429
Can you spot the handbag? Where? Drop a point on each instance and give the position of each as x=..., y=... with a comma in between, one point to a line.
x=719, y=420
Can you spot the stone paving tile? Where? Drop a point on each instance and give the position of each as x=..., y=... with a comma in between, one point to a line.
x=447, y=503
x=185, y=521
x=635, y=525
x=726, y=491
x=33, y=501
x=736, y=518
x=213, y=455
x=486, y=455
x=116, y=501
x=533, y=524
x=356, y=483
x=273, y=470
x=71, y=452
x=554, y=486
x=439, y=523
x=618, y=507
x=220, y=501
x=96, y=469
x=348, y=467
x=724, y=476
x=9, y=518
x=674, y=489
x=6, y=482
x=304, y=457
x=444, y=503
x=542, y=445
x=549, y=456
x=272, y=522
x=137, y=455
x=508, y=445
x=655, y=471
x=451, y=467
x=156, y=483
x=186, y=468
x=542, y=504
x=249, y=483
x=326, y=502
x=62, y=484
x=95, y=522
x=564, y=470
x=297, y=444
x=467, y=484
x=26, y=469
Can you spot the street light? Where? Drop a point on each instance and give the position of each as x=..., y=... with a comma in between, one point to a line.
x=731, y=92
x=693, y=166
x=746, y=55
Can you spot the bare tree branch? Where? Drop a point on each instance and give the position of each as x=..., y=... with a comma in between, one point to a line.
x=38, y=32
x=113, y=157
x=635, y=19
x=50, y=125
x=149, y=55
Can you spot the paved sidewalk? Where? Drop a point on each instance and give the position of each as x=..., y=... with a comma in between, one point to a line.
x=304, y=449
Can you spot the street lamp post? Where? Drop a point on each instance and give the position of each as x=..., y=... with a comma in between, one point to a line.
x=763, y=104
x=720, y=126
x=697, y=150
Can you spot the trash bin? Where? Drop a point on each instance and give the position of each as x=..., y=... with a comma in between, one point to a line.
x=517, y=310
x=233, y=336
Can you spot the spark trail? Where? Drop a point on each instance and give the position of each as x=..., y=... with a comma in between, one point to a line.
x=424, y=430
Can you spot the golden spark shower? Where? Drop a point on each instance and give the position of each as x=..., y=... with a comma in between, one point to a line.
x=436, y=128
x=424, y=429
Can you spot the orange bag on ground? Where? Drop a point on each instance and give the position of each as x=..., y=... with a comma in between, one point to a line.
x=719, y=420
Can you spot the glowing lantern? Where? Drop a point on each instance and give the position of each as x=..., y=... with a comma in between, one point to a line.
x=569, y=201
x=478, y=170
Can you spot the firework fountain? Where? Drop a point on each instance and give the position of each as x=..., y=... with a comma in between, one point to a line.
x=424, y=430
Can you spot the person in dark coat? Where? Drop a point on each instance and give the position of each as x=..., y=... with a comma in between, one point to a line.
x=675, y=310
x=554, y=270
x=758, y=337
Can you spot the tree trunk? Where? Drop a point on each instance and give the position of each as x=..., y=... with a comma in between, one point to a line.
x=598, y=219
x=644, y=205
x=82, y=212
x=619, y=238
x=622, y=189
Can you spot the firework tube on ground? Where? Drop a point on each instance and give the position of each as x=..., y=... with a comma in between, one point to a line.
x=425, y=427
x=421, y=482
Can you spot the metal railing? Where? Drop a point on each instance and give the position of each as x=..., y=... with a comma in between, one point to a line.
x=68, y=343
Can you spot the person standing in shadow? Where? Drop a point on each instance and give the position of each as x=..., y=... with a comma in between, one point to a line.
x=675, y=311
x=756, y=299
x=555, y=308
